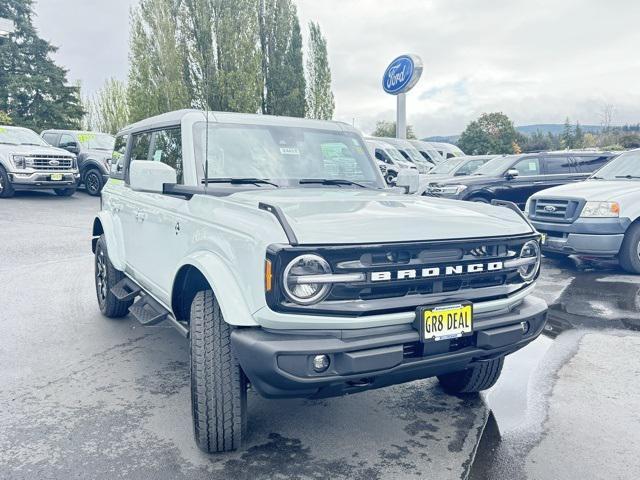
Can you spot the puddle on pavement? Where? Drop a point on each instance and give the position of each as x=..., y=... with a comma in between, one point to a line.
x=594, y=296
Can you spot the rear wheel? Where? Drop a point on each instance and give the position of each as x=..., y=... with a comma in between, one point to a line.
x=218, y=385
x=65, y=192
x=629, y=255
x=390, y=178
x=6, y=189
x=479, y=200
x=474, y=379
x=93, y=182
x=106, y=277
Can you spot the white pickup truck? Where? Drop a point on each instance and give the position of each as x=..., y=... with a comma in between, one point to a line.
x=274, y=245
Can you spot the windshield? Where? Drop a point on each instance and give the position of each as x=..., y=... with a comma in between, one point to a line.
x=284, y=155
x=448, y=166
x=626, y=166
x=20, y=136
x=497, y=166
x=395, y=154
x=431, y=152
x=96, y=141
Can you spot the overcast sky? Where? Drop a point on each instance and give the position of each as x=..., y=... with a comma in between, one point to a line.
x=537, y=61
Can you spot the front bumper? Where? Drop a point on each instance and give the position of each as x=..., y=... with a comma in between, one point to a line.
x=39, y=180
x=279, y=363
x=586, y=236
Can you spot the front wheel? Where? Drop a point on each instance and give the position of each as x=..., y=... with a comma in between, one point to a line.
x=629, y=255
x=93, y=182
x=390, y=179
x=107, y=277
x=218, y=385
x=474, y=379
x=6, y=189
x=65, y=192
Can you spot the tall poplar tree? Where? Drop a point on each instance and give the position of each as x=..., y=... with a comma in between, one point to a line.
x=282, y=62
x=320, y=99
x=34, y=91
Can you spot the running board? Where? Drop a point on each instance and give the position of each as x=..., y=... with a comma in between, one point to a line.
x=148, y=311
x=125, y=290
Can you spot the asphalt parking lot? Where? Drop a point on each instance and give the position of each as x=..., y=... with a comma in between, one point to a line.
x=87, y=397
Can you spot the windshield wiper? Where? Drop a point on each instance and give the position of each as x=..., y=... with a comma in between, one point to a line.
x=8, y=143
x=627, y=176
x=596, y=178
x=329, y=181
x=33, y=144
x=240, y=181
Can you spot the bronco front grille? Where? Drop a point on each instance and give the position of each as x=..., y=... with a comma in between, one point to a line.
x=441, y=271
x=50, y=162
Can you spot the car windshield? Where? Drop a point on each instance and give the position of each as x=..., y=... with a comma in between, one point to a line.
x=20, y=136
x=431, y=152
x=494, y=167
x=395, y=154
x=96, y=141
x=283, y=155
x=624, y=167
x=448, y=166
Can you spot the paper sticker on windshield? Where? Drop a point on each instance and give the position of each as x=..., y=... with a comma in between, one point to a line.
x=86, y=137
x=289, y=151
x=3, y=130
x=533, y=166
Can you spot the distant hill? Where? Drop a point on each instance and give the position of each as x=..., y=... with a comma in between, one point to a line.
x=554, y=128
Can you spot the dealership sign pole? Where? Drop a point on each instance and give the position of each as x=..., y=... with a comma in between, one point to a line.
x=401, y=76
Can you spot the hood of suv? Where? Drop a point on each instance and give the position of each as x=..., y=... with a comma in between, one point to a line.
x=339, y=216
x=33, y=150
x=595, y=190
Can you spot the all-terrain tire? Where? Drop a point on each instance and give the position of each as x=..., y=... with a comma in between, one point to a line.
x=106, y=276
x=93, y=182
x=629, y=255
x=475, y=379
x=218, y=385
x=65, y=192
x=6, y=189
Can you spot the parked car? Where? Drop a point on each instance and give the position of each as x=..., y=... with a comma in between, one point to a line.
x=516, y=177
x=391, y=157
x=427, y=151
x=453, y=167
x=28, y=163
x=236, y=230
x=599, y=217
x=93, y=151
x=447, y=150
x=410, y=153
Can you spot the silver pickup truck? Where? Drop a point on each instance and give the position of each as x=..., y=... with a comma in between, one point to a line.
x=28, y=163
x=274, y=245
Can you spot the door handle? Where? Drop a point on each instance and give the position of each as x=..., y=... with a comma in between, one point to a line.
x=539, y=183
x=141, y=216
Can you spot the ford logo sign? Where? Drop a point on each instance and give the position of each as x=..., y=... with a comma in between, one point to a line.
x=402, y=74
x=54, y=163
x=550, y=208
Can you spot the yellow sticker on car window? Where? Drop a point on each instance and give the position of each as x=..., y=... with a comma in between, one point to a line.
x=3, y=130
x=86, y=137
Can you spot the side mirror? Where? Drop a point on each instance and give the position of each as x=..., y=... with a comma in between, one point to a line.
x=409, y=179
x=512, y=173
x=146, y=176
x=72, y=148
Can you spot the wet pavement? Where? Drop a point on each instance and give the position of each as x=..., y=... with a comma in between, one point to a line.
x=83, y=396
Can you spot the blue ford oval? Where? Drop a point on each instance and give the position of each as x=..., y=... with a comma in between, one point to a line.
x=397, y=78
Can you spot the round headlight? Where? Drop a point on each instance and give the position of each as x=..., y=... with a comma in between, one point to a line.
x=297, y=288
x=530, y=250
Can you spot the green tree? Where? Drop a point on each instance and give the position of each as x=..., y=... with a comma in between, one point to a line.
x=156, y=80
x=33, y=90
x=320, y=99
x=567, y=137
x=492, y=133
x=282, y=62
x=386, y=128
x=578, y=136
x=4, y=119
x=108, y=110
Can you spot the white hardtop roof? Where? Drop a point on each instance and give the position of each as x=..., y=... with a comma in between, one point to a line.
x=176, y=118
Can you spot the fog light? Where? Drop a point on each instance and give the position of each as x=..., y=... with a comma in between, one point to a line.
x=320, y=363
x=525, y=327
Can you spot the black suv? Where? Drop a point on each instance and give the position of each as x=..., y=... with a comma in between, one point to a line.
x=516, y=177
x=94, y=151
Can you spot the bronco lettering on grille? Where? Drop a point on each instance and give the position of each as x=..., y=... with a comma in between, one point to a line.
x=431, y=272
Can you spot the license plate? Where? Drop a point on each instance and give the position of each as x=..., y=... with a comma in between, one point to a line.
x=56, y=177
x=444, y=322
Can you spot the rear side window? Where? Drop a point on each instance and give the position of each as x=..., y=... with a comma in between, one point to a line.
x=528, y=167
x=141, y=143
x=67, y=140
x=167, y=148
x=50, y=138
x=470, y=167
x=557, y=165
x=590, y=163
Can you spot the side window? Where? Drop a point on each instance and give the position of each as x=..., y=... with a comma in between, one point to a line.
x=50, y=138
x=141, y=143
x=590, y=163
x=167, y=148
x=528, y=167
x=117, y=157
x=67, y=140
x=557, y=165
x=469, y=167
x=380, y=155
x=449, y=155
